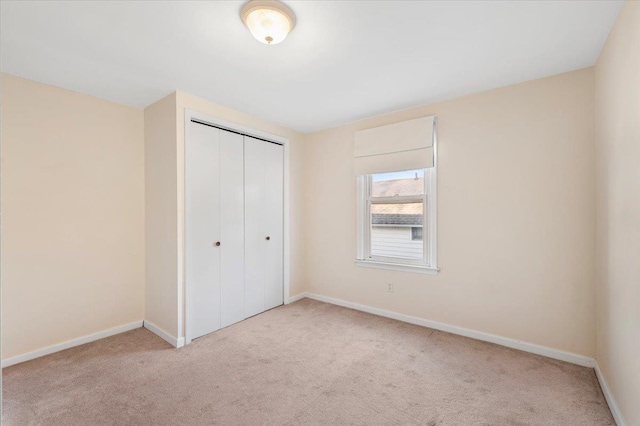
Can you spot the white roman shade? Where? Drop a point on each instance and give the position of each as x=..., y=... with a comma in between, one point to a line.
x=401, y=146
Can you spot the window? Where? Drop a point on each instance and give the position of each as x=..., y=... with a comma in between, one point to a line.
x=397, y=220
x=395, y=167
x=416, y=233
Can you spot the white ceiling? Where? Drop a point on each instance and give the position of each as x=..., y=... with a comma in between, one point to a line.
x=344, y=61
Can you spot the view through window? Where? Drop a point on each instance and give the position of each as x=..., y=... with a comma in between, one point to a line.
x=397, y=215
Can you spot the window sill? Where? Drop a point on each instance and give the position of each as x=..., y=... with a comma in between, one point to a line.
x=398, y=267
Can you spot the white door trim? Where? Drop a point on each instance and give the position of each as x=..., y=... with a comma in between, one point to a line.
x=189, y=114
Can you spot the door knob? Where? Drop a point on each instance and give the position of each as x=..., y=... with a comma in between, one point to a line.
x=268, y=238
x=217, y=243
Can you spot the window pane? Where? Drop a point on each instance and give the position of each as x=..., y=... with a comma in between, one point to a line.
x=416, y=233
x=398, y=184
x=391, y=230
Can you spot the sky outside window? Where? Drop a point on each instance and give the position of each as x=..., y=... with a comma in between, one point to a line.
x=398, y=175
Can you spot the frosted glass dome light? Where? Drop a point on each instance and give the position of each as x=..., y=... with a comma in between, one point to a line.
x=269, y=21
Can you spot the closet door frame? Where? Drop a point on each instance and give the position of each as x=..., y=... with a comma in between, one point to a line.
x=183, y=286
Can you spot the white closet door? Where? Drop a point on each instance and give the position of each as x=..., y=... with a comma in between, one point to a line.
x=263, y=225
x=255, y=236
x=202, y=212
x=274, y=203
x=232, y=227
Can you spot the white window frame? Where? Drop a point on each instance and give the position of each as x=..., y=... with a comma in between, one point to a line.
x=427, y=265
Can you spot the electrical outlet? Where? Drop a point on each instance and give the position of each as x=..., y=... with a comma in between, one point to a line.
x=390, y=288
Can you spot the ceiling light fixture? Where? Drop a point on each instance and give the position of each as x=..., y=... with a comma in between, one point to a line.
x=268, y=20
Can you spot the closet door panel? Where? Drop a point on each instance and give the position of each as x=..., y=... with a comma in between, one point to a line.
x=273, y=214
x=254, y=174
x=202, y=230
x=232, y=227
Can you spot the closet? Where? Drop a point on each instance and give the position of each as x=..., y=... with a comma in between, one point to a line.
x=263, y=225
x=233, y=227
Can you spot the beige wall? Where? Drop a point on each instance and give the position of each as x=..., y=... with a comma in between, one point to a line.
x=161, y=296
x=72, y=215
x=516, y=216
x=618, y=211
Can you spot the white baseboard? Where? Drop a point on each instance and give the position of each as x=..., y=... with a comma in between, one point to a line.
x=582, y=360
x=297, y=297
x=70, y=343
x=608, y=395
x=173, y=341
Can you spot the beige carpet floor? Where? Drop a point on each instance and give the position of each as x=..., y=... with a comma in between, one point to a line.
x=308, y=363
